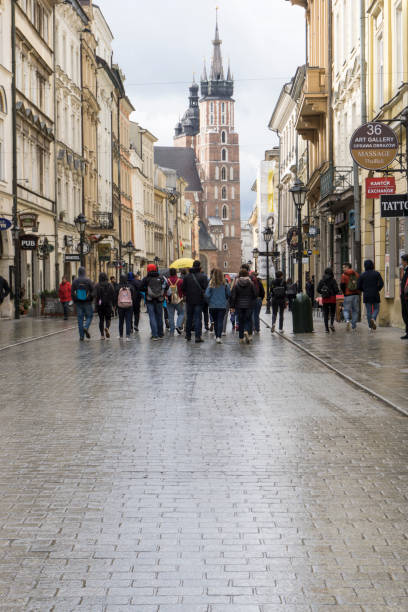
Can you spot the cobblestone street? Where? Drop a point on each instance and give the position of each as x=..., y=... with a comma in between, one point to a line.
x=170, y=476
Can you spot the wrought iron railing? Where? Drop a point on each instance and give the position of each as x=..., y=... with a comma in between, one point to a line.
x=335, y=180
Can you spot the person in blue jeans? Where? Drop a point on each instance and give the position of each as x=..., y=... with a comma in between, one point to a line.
x=155, y=287
x=82, y=295
x=260, y=294
x=217, y=295
x=351, y=304
x=242, y=302
x=371, y=283
x=175, y=302
x=194, y=286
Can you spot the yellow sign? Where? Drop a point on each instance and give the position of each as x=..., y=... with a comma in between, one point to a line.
x=270, y=191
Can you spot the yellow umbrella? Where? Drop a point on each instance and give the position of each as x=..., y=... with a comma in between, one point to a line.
x=184, y=262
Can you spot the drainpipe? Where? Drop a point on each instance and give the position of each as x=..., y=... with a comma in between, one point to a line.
x=56, y=211
x=330, y=82
x=119, y=182
x=17, y=262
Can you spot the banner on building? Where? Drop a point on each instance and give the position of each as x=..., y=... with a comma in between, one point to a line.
x=394, y=205
x=270, y=191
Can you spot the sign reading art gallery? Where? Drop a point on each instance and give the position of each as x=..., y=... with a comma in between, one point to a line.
x=394, y=205
x=374, y=146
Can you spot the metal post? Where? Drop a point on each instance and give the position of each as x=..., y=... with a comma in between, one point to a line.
x=268, y=301
x=81, y=248
x=119, y=182
x=17, y=262
x=300, y=251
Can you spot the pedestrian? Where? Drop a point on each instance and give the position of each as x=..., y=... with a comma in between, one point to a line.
x=371, y=283
x=82, y=294
x=217, y=295
x=242, y=302
x=194, y=286
x=175, y=301
x=115, y=286
x=278, y=298
x=124, y=302
x=4, y=289
x=260, y=294
x=291, y=292
x=104, y=300
x=404, y=293
x=136, y=283
x=328, y=289
x=351, y=304
x=310, y=288
x=155, y=287
x=64, y=294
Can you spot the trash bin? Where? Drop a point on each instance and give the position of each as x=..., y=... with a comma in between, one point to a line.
x=302, y=314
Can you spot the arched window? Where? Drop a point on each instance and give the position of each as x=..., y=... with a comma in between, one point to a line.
x=231, y=173
x=224, y=154
x=223, y=137
x=225, y=264
x=217, y=173
x=225, y=246
x=224, y=193
x=225, y=212
x=223, y=173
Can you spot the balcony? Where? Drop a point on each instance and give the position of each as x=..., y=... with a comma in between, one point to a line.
x=313, y=104
x=103, y=221
x=336, y=180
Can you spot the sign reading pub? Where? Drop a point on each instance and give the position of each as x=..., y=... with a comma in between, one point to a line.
x=394, y=205
x=374, y=146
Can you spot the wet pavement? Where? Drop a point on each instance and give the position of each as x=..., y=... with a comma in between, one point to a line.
x=378, y=360
x=27, y=328
x=171, y=476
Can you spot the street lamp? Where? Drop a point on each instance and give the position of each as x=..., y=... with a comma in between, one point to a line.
x=80, y=224
x=267, y=236
x=156, y=261
x=129, y=249
x=255, y=255
x=299, y=191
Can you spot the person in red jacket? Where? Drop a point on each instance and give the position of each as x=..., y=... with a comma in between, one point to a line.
x=64, y=294
x=351, y=304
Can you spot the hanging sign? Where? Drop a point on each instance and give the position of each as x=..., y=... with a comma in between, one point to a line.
x=375, y=187
x=28, y=242
x=374, y=146
x=5, y=224
x=394, y=205
x=72, y=257
x=28, y=219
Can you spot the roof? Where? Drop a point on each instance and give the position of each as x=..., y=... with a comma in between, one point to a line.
x=206, y=244
x=181, y=159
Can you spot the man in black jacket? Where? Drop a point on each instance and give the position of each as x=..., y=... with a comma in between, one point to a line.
x=4, y=289
x=260, y=294
x=242, y=301
x=404, y=294
x=194, y=286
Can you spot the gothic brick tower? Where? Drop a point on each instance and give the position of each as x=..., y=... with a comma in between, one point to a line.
x=216, y=145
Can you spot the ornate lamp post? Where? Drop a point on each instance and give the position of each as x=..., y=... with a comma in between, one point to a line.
x=80, y=224
x=129, y=250
x=299, y=191
x=267, y=236
x=255, y=254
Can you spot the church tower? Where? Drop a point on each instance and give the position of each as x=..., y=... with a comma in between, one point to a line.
x=216, y=144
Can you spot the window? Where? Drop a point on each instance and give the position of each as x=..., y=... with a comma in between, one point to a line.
x=216, y=211
x=379, y=61
x=232, y=231
x=216, y=192
x=3, y=106
x=233, y=212
x=223, y=173
x=225, y=246
x=224, y=154
x=223, y=137
x=212, y=113
x=222, y=113
x=225, y=212
x=217, y=173
x=399, y=46
x=224, y=193
x=231, y=173
x=225, y=264
x=2, y=153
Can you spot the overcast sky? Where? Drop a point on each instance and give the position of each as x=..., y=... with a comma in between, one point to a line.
x=159, y=44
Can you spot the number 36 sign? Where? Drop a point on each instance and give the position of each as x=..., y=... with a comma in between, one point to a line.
x=374, y=146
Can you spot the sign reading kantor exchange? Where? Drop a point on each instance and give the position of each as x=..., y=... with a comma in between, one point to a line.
x=374, y=146
x=394, y=205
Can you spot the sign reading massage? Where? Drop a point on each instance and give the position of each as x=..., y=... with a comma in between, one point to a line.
x=394, y=205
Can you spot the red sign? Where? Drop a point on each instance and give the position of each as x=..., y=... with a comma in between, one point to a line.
x=375, y=187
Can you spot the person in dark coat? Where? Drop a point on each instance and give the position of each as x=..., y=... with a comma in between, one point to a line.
x=242, y=301
x=82, y=294
x=125, y=311
x=260, y=294
x=278, y=298
x=155, y=286
x=194, y=286
x=137, y=286
x=371, y=283
x=104, y=300
x=404, y=294
x=328, y=289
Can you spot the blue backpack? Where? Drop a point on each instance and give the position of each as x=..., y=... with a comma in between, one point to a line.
x=82, y=293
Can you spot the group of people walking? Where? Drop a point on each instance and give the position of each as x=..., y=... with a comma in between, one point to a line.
x=182, y=301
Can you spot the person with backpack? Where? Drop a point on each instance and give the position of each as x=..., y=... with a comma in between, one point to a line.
x=242, y=302
x=155, y=287
x=115, y=286
x=137, y=298
x=371, y=283
x=194, y=286
x=124, y=303
x=64, y=294
x=278, y=299
x=104, y=299
x=291, y=292
x=328, y=289
x=82, y=295
x=175, y=301
x=260, y=294
x=404, y=293
x=217, y=295
x=351, y=304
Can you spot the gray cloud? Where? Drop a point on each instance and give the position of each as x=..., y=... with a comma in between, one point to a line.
x=160, y=44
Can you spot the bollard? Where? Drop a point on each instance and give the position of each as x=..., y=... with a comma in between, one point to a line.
x=302, y=314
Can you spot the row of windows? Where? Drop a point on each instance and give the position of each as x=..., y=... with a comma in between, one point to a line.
x=224, y=193
x=33, y=83
x=224, y=173
x=39, y=17
x=218, y=112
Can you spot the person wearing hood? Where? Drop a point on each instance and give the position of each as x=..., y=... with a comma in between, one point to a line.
x=105, y=299
x=404, y=293
x=194, y=286
x=82, y=294
x=260, y=294
x=243, y=298
x=371, y=283
x=328, y=289
x=351, y=304
x=137, y=297
x=278, y=298
x=124, y=301
x=154, y=286
x=64, y=294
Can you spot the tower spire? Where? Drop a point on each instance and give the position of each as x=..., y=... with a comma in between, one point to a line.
x=217, y=70
x=204, y=74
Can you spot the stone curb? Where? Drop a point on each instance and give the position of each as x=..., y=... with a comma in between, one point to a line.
x=340, y=373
